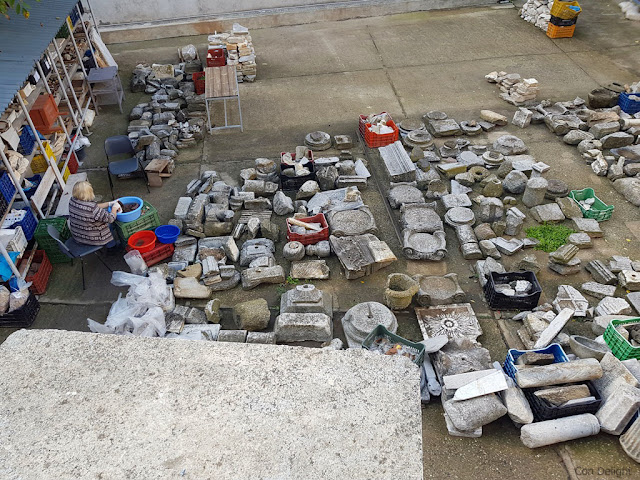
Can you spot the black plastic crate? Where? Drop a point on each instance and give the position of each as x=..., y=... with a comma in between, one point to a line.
x=544, y=411
x=561, y=22
x=500, y=301
x=22, y=317
x=294, y=183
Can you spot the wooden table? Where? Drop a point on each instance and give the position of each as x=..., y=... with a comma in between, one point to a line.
x=221, y=83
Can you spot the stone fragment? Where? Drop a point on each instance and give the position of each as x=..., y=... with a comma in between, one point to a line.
x=456, y=200
x=252, y=315
x=515, y=182
x=264, y=338
x=301, y=327
x=361, y=255
x=212, y=310
x=614, y=373
x=601, y=273
x=473, y=413
x=509, y=145
x=444, y=128
x=629, y=280
x=252, y=277
x=618, y=408
x=282, y=204
x=564, y=253
x=535, y=191
x=404, y=194
x=310, y=270
x=580, y=240
x=600, y=130
x=522, y=117
x=535, y=358
x=400, y=290
x=189, y=287
x=613, y=306
x=549, y=432
x=237, y=336
x=569, y=297
x=547, y=213
x=493, y=117
x=362, y=318
x=484, y=231
x=598, y=290
x=398, y=163
x=589, y=226
x=558, y=396
x=307, y=190
x=570, y=268
x=439, y=290
x=507, y=247
x=528, y=263
x=616, y=140
x=580, y=370
x=574, y=137
x=554, y=328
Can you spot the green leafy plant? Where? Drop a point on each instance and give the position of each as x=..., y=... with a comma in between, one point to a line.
x=551, y=236
x=292, y=281
x=19, y=6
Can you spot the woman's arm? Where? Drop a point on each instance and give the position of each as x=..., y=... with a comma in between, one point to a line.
x=101, y=215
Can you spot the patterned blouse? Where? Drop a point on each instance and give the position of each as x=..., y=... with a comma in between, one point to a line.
x=89, y=223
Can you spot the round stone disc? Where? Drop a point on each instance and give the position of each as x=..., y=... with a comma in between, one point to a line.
x=459, y=216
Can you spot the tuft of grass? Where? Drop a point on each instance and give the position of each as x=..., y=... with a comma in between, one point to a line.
x=551, y=236
x=292, y=281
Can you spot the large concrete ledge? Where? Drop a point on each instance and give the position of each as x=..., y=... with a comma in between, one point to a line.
x=78, y=406
x=177, y=26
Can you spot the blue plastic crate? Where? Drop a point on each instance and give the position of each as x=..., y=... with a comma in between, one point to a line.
x=628, y=105
x=513, y=354
x=28, y=224
x=7, y=187
x=28, y=140
x=36, y=179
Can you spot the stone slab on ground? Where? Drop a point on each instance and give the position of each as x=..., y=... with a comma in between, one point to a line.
x=166, y=418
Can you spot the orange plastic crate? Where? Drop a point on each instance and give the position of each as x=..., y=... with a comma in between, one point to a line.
x=310, y=238
x=554, y=31
x=375, y=140
x=44, y=112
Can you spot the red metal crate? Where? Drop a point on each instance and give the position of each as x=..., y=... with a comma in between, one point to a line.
x=40, y=278
x=160, y=252
x=310, y=238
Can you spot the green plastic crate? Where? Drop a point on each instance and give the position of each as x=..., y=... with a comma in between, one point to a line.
x=619, y=346
x=599, y=211
x=380, y=331
x=149, y=220
x=48, y=244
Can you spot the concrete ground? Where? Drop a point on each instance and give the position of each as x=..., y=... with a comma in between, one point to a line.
x=320, y=77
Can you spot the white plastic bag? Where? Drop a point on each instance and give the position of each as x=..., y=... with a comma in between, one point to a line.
x=124, y=279
x=96, y=327
x=136, y=263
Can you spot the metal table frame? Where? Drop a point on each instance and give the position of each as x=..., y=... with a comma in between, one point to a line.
x=215, y=92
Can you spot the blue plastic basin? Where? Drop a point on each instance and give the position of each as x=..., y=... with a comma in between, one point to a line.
x=132, y=215
x=167, y=233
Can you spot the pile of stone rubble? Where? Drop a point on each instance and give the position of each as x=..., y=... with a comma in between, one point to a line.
x=172, y=120
x=631, y=10
x=240, y=51
x=515, y=89
x=537, y=12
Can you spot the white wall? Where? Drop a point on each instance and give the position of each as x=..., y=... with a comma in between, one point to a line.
x=109, y=12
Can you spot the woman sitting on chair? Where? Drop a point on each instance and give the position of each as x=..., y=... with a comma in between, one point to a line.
x=89, y=222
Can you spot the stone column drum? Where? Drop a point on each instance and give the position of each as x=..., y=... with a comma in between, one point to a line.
x=539, y=434
x=534, y=192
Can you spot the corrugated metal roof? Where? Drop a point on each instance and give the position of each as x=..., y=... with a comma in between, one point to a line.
x=22, y=42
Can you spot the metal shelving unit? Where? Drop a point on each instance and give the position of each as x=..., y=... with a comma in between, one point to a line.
x=73, y=102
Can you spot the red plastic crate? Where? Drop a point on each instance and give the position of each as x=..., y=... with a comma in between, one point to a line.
x=160, y=252
x=40, y=279
x=44, y=112
x=198, y=82
x=310, y=238
x=375, y=140
x=216, y=57
x=73, y=163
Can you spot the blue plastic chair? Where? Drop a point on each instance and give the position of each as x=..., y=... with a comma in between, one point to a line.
x=73, y=249
x=121, y=145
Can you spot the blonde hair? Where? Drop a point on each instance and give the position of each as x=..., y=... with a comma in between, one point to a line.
x=83, y=191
